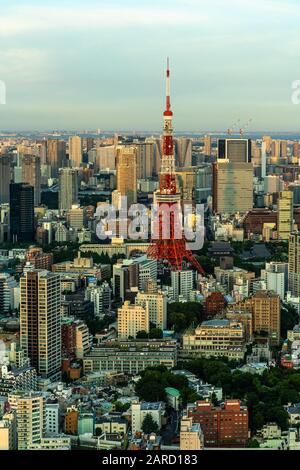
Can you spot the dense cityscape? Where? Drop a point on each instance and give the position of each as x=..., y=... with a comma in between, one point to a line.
x=140, y=343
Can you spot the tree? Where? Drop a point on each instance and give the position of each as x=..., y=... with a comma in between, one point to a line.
x=253, y=444
x=156, y=333
x=149, y=425
x=288, y=319
x=142, y=334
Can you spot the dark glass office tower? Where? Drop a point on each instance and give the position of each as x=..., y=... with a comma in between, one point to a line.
x=21, y=203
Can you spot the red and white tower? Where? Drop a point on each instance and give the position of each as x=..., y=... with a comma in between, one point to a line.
x=168, y=242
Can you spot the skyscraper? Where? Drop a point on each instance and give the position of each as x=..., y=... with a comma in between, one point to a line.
x=285, y=215
x=68, y=188
x=207, y=145
x=5, y=178
x=183, y=152
x=127, y=173
x=294, y=264
x=56, y=155
x=75, y=151
x=145, y=160
x=40, y=321
x=31, y=174
x=232, y=187
x=21, y=213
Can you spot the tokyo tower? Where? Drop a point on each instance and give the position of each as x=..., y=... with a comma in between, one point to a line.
x=168, y=242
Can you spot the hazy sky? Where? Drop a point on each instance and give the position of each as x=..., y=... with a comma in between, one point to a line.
x=100, y=64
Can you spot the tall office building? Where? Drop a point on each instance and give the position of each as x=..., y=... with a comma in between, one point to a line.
x=187, y=183
x=40, y=321
x=183, y=152
x=234, y=150
x=232, y=187
x=131, y=320
x=21, y=212
x=30, y=415
x=296, y=149
x=75, y=151
x=31, y=174
x=264, y=159
x=207, y=145
x=56, y=155
x=68, y=188
x=145, y=160
x=203, y=183
x=294, y=264
x=5, y=178
x=127, y=173
x=285, y=215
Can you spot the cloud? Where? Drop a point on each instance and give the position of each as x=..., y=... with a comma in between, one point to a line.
x=36, y=19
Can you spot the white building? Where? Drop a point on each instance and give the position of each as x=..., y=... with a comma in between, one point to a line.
x=101, y=298
x=182, y=284
x=139, y=411
x=52, y=418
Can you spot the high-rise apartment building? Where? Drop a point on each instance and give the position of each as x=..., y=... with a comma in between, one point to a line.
x=21, y=212
x=232, y=187
x=127, y=173
x=132, y=319
x=9, y=298
x=56, y=155
x=30, y=416
x=68, y=188
x=31, y=174
x=285, y=215
x=40, y=321
x=157, y=306
x=294, y=264
x=75, y=151
x=265, y=308
x=182, y=284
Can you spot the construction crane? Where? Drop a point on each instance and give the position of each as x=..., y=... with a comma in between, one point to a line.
x=244, y=128
x=234, y=127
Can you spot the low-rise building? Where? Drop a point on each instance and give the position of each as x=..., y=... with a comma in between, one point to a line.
x=131, y=357
x=222, y=426
x=139, y=410
x=215, y=338
x=191, y=435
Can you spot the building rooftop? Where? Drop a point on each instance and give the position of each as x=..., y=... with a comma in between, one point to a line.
x=172, y=391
